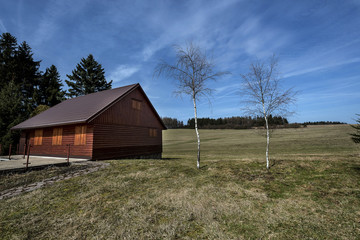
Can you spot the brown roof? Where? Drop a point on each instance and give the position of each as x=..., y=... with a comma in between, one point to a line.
x=80, y=109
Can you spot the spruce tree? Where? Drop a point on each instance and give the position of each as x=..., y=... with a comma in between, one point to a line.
x=11, y=114
x=356, y=136
x=27, y=76
x=8, y=48
x=19, y=82
x=88, y=77
x=39, y=109
x=50, y=92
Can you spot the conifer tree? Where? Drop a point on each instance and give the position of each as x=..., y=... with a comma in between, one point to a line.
x=19, y=81
x=39, y=109
x=50, y=92
x=8, y=47
x=88, y=77
x=27, y=76
x=356, y=136
x=11, y=114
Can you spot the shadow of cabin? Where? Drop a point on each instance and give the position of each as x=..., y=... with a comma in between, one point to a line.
x=115, y=123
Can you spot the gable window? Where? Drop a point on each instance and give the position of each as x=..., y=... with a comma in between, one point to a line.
x=57, y=136
x=38, y=137
x=152, y=132
x=136, y=104
x=80, y=135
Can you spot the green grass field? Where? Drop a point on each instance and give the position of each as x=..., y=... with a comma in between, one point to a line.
x=312, y=192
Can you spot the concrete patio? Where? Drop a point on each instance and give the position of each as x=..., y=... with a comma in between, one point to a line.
x=18, y=163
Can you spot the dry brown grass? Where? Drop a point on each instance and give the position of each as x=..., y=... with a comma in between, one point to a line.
x=314, y=195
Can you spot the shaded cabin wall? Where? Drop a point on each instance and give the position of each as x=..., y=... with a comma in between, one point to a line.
x=22, y=142
x=122, y=131
x=68, y=137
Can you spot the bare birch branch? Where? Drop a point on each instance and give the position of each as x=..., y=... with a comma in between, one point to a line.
x=191, y=71
x=263, y=94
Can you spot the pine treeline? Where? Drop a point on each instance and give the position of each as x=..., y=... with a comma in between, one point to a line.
x=323, y=123
x=237, y=122
x=25, y=91
x=20, y=78
x=240, y=123
x=228, y=123
x=172, y=123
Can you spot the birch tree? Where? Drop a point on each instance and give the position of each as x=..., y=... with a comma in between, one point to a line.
x=263, y=94
x=191, y=71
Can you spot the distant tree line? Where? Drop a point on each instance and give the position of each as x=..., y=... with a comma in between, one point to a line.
x=172, y=123
x=26, y=91
x=246, y=122
x=239, y=122
x=323, y=123
x=236, y=122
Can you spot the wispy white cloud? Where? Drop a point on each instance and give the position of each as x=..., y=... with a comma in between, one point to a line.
x=183, y=29
x=257, y=39
x=2, y=26
x=320, y=68
x=227, y=88
x=122, y=72
x=52, y=16
x=315, y=42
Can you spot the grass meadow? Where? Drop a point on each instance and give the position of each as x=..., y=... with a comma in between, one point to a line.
x=312, y=191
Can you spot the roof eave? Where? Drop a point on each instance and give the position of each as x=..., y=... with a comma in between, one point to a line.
x=50, y=125
x=154, y=110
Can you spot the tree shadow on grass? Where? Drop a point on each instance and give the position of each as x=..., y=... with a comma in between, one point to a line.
x=357, y=169
x=205, y=167
x=169, y=159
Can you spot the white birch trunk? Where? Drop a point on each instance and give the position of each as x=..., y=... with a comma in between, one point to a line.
x=197, y=135
x=267, y=138
x=267, y=143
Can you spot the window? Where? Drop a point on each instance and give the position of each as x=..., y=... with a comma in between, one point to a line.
x=136, y=104
x=38, y=137
x=80, y=135
x=57, y=136
x=152, y=132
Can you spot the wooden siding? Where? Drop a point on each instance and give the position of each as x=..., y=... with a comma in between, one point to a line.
x=124, y=114
x=68, y=137
x=129, y=128
x=124, y=130
x=127, y=152
x=111, y=141
x=22, y=142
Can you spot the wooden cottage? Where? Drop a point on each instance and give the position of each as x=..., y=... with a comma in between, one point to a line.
x=115, y=123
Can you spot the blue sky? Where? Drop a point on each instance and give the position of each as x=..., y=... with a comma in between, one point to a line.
x=317, y=42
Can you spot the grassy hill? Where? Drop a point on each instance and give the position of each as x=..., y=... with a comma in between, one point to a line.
x=312, y=192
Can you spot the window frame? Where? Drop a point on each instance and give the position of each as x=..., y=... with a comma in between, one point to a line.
x=57, y=136
x=153, y=132
x=38, y=138
x=80, y=135
x=136, y=104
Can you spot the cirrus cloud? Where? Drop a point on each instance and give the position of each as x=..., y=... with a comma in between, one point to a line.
x=122, y=72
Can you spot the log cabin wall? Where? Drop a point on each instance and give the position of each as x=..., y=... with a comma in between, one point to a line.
x=22, y=142
x=68, y=137
x=127, y=130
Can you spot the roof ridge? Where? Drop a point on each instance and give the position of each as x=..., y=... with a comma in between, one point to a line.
x=133, y=86
x=89, y=94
